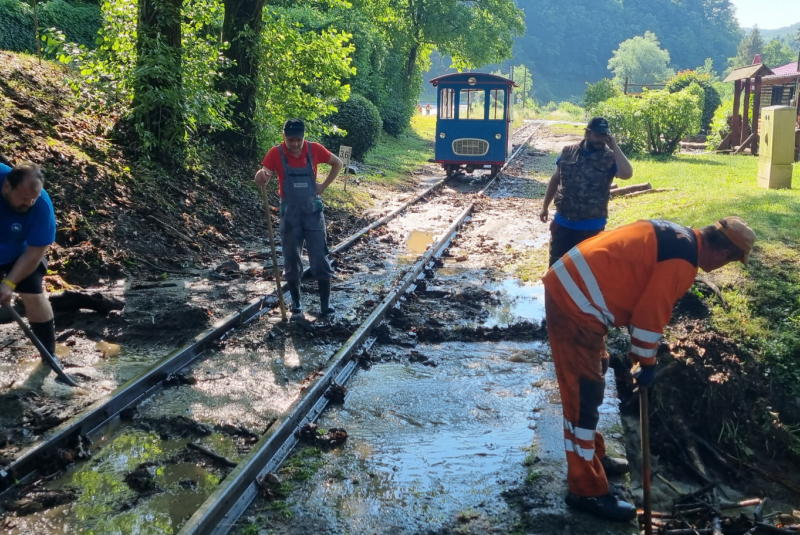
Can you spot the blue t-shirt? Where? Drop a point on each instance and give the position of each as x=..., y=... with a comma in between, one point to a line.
x=36, y=227
x=585, y=224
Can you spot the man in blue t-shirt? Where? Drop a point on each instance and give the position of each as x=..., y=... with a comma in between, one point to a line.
x=27, y=228
x=580, y=187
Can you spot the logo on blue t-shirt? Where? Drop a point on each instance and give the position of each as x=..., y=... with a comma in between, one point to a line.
x=16, y=227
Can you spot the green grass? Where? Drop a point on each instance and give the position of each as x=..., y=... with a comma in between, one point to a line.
x=566, y=128
x=393, y=160
x=764, y=296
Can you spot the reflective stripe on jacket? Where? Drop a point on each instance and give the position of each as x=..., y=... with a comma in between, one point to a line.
x=631, y=277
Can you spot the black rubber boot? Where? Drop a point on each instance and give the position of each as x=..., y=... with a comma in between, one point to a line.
x=325, y=307
x=46, y=333
x=294, y=290
x=615, y=466
x=607, y=507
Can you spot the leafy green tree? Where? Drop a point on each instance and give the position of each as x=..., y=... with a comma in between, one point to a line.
x=641, y=60
x=708, y=68
x=473, y=33
x=668, y=117
x=711, y=98
x=241, y=28
x=158, y=103
x=750, y=45
x=777, y=53
x=624, y=114
x=301, y=74
x=359, y=120
x=599, y=92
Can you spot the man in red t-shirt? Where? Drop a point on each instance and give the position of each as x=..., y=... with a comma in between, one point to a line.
x=295, y=162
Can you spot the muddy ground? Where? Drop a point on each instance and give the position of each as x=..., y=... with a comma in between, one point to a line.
x=454, y=425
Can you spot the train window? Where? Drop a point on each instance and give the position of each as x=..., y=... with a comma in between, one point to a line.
x=497, y=104
x=447, y=108
x=471, y=104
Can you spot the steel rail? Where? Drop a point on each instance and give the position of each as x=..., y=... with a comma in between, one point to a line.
x=151, y=381
x=230, y=500
x=226, y=504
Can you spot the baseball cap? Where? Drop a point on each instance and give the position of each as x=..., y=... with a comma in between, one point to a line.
x=737, y=231
x=598, y=125
x=294, y=128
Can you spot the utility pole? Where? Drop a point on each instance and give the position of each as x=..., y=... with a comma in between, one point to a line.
x=524, y=85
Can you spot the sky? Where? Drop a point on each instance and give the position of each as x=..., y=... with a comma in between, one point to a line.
x=768, y=14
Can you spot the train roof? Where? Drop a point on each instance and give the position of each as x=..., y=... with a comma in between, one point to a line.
x=480, y=77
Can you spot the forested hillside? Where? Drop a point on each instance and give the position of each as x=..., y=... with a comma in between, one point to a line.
x=569, y=42
x=787, y=34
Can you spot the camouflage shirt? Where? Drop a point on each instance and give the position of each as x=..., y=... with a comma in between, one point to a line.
x=585, y=179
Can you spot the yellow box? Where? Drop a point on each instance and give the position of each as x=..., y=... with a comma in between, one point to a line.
x=777, y=134
x=775, y=176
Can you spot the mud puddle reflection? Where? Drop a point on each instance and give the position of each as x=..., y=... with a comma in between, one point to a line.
x=425, y=444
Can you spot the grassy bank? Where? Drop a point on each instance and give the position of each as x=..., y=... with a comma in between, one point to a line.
x=764, y=296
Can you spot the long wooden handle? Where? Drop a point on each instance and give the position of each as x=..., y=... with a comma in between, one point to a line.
x=644, y=422
x=50, y=359
x=275, y=269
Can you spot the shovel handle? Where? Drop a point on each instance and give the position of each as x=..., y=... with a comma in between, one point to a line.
x=644, y=422
x=275, y=270
x=50, y=359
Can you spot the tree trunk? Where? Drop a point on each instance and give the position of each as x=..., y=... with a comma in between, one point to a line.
x=158, y=84
x=241, y=28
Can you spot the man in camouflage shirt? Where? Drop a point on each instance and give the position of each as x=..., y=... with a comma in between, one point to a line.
x=580, y=187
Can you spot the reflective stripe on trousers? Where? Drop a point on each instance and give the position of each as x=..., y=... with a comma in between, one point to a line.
x=581, y=361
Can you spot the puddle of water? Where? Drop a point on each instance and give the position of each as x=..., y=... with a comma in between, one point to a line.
x=518, y=302
x=424, y=443
x=107, y=505
x=417, y=243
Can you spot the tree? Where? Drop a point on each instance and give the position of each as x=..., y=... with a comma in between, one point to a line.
x=241, y=28
x=158, y=103
x=711, y=98
x=777, y=53
x=641, y=60
x=473, y=33
x=599, y=92
x=751, y=45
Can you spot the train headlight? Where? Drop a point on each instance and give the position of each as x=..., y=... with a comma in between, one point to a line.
x=497, y=136
x=441, y=135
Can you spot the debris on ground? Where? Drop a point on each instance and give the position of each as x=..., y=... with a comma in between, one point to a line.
x=336, y=393
x=143, y=478
x=39, y=500
x=312, y=434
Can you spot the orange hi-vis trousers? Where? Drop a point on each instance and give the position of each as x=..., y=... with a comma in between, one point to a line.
x=581, y=360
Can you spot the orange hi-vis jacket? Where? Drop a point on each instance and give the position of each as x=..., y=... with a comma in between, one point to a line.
x=631, y=276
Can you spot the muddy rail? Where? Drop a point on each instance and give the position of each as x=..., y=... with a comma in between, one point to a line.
x=235, y=494
x=150, y=382
x=237, y=491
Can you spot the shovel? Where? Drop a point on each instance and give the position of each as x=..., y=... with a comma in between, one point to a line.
x=644, y=423
x=51, y=360
x=275, y=269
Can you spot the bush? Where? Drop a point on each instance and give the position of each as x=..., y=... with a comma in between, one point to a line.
x=396, y=117
x=361, y=123
x=599, y=92
x=670, y=116
x=78, y=21
x=711, y=98
x=625, y=119
x=721, y=123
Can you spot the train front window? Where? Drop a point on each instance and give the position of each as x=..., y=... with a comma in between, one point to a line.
x=471, y=104
x=497, y=104
x=447, y=106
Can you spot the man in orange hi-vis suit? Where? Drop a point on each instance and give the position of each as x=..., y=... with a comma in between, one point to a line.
x=632, y=277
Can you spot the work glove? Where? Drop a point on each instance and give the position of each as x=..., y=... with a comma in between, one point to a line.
x=643, y=376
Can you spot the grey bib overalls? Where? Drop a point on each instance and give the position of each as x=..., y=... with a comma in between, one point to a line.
x=302, y=221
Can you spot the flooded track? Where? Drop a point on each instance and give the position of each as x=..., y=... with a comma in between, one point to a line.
x=157, y=455
x=458, y=430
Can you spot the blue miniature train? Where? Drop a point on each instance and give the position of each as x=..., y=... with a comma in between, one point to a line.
x=473, y=121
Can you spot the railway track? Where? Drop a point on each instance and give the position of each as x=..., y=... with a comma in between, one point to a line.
x=95, y=428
